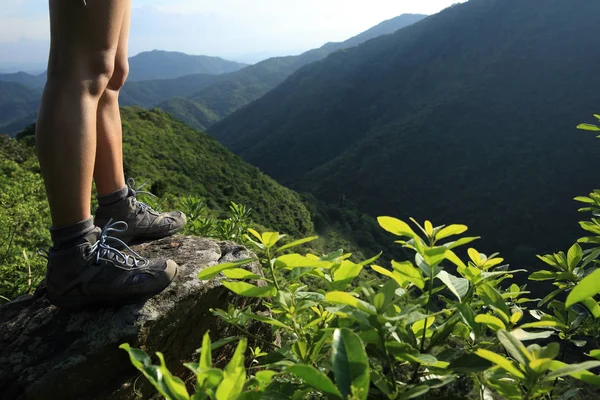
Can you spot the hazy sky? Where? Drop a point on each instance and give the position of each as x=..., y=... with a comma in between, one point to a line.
x=236, y=29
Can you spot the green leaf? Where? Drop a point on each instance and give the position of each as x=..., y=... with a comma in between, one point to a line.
x=500, y=361
x=434, y=255
x=239, y=273
x=585, y=376
x=458, y=286
x=315, y=379
x=493, y=322
x=211, y=272
x=544, y=324
x=349, y=300
x=549, y=297
x=271, y=238
x=583, y=199
x=542, y=275
x=595, y=354
x=206, y=354
x=588, y=127
x=409, y=272
x=268, y=320
x=587, y=287
x=397, y=227
x=415, y=391
x=593, y=306
x=297, y=243
x=234, y=375
x=248, y=290
x=460, y=242
x=469, y=363
x=350, y=363
x=522, y=335
x=514, y=347
x=574, y=256
x=428, y=228
x=256, y=235
x=345, y=274
x=159, y=376
x=422, y=359
x=451, y=230
x=371, y=260
x=492, y=297
x=291, y=261
x=220, y=343
x=572, y=369
x=425, y=323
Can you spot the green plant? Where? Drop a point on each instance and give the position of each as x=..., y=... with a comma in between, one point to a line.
x=423, y=324
x=201, y=221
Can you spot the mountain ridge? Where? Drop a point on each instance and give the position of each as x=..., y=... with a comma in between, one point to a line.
x=233, y=91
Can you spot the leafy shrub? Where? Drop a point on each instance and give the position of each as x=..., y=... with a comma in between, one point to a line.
x=417, y=328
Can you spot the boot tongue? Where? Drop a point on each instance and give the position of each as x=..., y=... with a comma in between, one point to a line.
x=93, y=235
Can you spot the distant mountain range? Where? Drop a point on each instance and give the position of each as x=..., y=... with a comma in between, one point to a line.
x=160, y=64
x=17, y=103
x=467, y=116
x=199, y=90
x=233, y=91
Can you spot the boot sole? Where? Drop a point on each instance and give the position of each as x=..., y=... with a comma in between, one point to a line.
x=81, y=302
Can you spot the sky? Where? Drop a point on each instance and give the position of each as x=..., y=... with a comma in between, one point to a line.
x=241, y=30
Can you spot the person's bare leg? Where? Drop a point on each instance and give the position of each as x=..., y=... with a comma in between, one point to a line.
x=83, y=49
x=108, y=172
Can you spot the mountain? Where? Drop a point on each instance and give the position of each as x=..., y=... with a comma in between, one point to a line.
x=467, y=116
x=153, y=92
x=16, y=101
x=13, y=128
x=160, y=64
x=233, y=91
x=23, y=78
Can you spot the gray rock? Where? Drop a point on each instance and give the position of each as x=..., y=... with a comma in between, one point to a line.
x=47, y=353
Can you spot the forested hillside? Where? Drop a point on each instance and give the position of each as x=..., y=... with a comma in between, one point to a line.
x=467, y=116
x=16, y=102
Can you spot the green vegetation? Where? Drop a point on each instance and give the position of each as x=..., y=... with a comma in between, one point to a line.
x=439, y=326
x=24, y=220
x=460, y=117
x=181, y=161
x=187, y=170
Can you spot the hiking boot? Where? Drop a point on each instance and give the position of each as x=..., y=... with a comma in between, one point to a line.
x=143, y=222
x=93, y=273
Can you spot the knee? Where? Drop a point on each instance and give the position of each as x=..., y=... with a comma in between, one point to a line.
x=119, y=75
x=98, y=72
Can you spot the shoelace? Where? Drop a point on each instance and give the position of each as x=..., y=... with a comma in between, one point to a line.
x=136, y=191
x=105, y=251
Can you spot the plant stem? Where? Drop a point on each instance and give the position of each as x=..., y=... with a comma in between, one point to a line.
x=389, y=359
x=253, y=336
x=416, y=372
x=562, y=359
x=427, y=310
x=272, y=269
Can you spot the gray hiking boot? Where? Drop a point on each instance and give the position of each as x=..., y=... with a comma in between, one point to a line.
x=143, y=222
x=93, y=273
